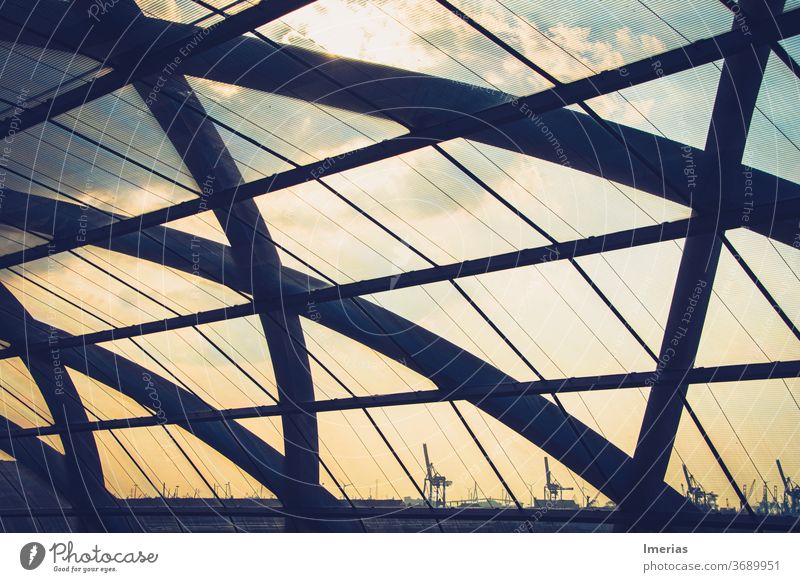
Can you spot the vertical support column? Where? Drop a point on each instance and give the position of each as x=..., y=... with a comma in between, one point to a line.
x=720, y=187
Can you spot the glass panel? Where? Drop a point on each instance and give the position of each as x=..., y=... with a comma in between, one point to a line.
x=677, y=107
x=147, y=462
x=363, y=370
x=329, y=235
x=772, y=144
x=227, y=480
x=522, y=463
x=105, y=403
x=691, y=454
x=169, y=462
x=565, y=203
x=184, y=11
x=12, y=239
x=437, y=209
x=741, y=325
x=235, y=371
x=450, y=447
x=551, y=313
x=122, y=123
x=269, y=430
x=775, y=264
x=54, y=70
x=253, y=162
x=22, y=401
x=94, y=289
x=440, y=309
x=204, y=225
x=53, y=441
x=574, y=38
x=639, y=282
x=82, y=171
x=615, y=414
x=301, y=131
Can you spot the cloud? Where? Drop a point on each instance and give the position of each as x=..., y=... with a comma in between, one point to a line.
x=423, y=37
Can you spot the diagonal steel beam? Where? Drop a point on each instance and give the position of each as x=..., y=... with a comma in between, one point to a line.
x=669, y=62
x=722, y=188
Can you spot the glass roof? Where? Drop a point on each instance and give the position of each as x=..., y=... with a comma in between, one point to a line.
x=280, y=266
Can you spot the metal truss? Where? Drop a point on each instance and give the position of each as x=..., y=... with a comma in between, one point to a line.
x=254, y=269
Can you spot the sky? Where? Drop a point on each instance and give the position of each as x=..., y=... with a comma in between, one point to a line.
x=548, y=311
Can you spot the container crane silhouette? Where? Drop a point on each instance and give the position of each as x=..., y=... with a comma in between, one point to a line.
x=553, y=490
x=435, y=486
x=791, y=492
x=697, y=494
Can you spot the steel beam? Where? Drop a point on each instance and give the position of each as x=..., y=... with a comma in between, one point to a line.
x=720, y=189
x=258, y=270
x=731, y=373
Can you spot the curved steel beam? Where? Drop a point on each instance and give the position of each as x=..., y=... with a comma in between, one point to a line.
x=83, y=468
x=258, y=270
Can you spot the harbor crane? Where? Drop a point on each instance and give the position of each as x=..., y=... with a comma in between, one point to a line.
x=435, y=487
x=697, y=494
x=791, y=492
x=748, y=492
x=553, y=490
x=767, y=506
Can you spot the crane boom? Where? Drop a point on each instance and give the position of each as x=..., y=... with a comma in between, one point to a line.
x=688, y=477
x=784, y=480
x=427, y=460
x=547, y=471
